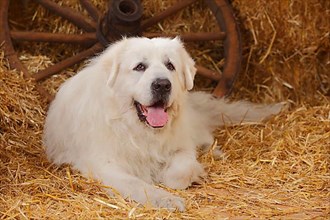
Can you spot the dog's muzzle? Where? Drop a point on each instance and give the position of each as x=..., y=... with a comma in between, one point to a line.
x=156, y=114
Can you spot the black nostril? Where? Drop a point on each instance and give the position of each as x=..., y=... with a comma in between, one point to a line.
x=161, y=85
x=168, y=87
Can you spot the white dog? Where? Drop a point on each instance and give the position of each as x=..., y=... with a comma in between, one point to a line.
x=128, y=120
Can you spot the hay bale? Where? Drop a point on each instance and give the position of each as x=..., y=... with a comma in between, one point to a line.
x=287, y=48
x=276, y=170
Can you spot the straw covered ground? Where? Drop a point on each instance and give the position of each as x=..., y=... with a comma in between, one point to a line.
x=279, y=169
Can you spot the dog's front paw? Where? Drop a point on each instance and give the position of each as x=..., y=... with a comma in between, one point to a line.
x=177, y=177
x=170, y=202
x=157, y=198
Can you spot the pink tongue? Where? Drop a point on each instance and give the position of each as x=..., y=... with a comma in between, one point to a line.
x=156, y=116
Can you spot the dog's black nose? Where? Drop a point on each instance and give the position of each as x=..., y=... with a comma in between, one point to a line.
x=162, y=86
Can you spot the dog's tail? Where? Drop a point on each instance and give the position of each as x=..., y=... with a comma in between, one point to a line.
x=220, y=112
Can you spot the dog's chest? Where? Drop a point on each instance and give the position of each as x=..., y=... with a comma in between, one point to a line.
x=146, y=157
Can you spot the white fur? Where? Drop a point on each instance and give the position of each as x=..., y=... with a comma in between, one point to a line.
x=93, y=125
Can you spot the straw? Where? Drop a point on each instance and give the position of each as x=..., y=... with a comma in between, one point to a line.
x=277, y=170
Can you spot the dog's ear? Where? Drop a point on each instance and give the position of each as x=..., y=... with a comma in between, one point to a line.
x=110, y=60
x=189, y=70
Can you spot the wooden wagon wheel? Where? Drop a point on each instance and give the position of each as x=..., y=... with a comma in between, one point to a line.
x=124, y=18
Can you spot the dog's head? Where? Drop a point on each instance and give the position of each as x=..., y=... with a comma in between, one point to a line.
x=152, y=74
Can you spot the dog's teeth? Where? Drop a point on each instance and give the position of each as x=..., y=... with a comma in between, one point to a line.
x=144, y=109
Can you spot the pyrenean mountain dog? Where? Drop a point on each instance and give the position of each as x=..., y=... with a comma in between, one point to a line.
x=128, y=120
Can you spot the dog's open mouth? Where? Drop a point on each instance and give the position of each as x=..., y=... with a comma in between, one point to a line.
x=154, y=115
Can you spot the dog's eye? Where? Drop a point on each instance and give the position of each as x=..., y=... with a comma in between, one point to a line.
x=170, y=66
x=141, y=67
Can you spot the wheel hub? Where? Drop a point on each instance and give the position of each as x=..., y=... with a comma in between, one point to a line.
x=122, y=19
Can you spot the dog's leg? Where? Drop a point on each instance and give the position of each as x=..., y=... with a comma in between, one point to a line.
x=182, y=171
x=131, y=187
x=214, y=148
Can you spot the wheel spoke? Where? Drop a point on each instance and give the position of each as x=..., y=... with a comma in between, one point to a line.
x=208, y=73
x=10, y=53
x=91, y=9
x=69, y=14
x=67, y=62
x=6, y=43
x=87, y=39
x=166, y=13
x=189, y=37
